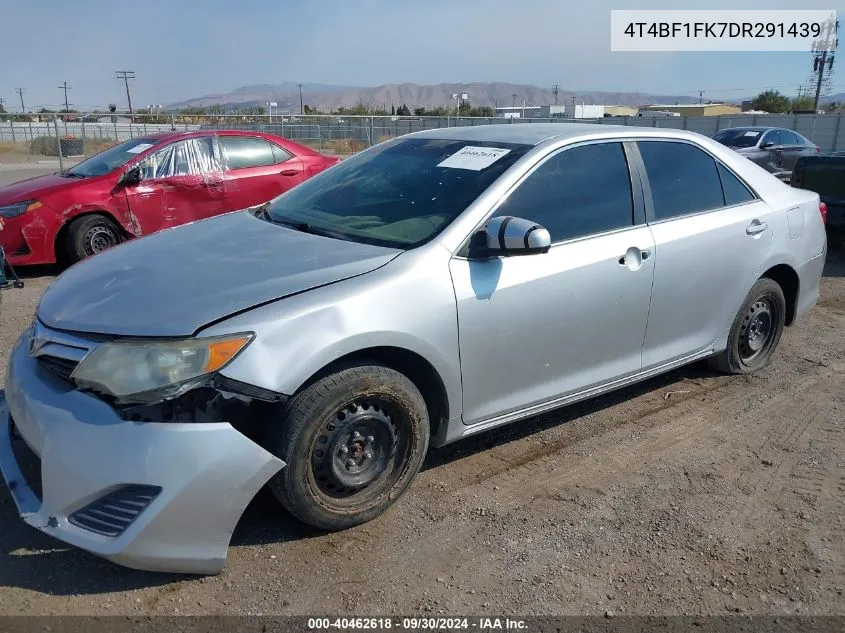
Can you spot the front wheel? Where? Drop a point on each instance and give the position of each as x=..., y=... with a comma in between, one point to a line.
x=352, y=443
x=91, y=234
x=756, y=330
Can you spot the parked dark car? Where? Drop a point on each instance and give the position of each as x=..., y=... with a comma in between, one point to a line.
x=145, y=185
x=825, y=174
x=773, y=148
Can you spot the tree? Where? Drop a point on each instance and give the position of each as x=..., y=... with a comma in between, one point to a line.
x=833, y=106
x=392, y=109
x=802, y=103
x=419, y=111
x=216, y=109
x=403, y=110
x=771, y=101
x=307, y=109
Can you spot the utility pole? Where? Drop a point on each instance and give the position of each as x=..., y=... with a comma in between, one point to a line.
x=20, y=93
x=65, y=87
x=513, y=103
x=824, y=59
x=700, y=96
x=556, y=92
x=301, y=109
x=126, y=75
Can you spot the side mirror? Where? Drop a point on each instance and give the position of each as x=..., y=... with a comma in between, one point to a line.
x=131, y=176
x=766, y=145
x=508, y=235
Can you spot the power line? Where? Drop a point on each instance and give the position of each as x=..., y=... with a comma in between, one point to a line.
x=65, y=87
x=126, y=75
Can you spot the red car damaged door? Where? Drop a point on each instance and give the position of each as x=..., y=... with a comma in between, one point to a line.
x=257, y=170
x=180, y=183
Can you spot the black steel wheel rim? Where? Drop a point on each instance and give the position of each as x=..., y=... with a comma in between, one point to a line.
x=359, y=453
x=99, y=238
x=758, y=329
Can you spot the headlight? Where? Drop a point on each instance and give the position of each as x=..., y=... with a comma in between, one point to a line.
x=150, y=371
x=19, y=208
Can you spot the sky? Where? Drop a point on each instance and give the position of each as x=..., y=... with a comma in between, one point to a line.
x=189, y=48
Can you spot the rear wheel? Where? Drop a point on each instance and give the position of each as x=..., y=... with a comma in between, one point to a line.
x=352, y=443
x=91, y=234
x=756, y=330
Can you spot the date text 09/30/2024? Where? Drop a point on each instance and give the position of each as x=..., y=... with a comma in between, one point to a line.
x=418, y=624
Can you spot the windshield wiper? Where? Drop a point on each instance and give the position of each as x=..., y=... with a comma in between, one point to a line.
x=305, y=227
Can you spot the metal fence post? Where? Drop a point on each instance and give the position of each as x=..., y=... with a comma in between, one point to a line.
x=372, y=131
x=82, y=123
x=836, y=133
x=114, y=123
x=58, y=142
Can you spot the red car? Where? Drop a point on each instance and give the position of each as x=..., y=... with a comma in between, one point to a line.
x=145, y=185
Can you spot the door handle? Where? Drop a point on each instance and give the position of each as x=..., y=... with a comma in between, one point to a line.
x=756, y=227
x=289, y=172
x=634, y=257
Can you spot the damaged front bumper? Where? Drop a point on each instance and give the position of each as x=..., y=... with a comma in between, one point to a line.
x=159, y=496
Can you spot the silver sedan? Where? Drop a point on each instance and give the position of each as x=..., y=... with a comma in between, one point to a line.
x=435, y=286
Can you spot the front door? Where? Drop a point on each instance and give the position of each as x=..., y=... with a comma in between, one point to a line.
x=537, y=327
x=711, y=236
x=180, y=183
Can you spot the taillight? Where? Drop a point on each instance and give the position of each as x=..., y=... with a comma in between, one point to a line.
x=823, y=211
x=817, y=149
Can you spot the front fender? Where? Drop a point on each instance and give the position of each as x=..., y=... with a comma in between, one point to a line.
x=403, y=305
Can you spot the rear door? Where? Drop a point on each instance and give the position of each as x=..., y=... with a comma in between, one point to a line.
x=711, y=235
x=793, y=147
x=181, y=182
x=257, y=170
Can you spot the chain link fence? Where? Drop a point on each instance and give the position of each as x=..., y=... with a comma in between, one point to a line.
x=51, y=142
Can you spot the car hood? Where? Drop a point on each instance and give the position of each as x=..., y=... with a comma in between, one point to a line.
x=34, y=188
x=175, y=282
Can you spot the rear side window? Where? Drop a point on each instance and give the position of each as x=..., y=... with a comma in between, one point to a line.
x=577, y=192
x=683, y=178
x=279, y=155
x=735, y=191
x=245, y=151
x=790, y=138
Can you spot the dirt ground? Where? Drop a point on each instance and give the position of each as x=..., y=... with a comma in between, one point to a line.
x=693, y=493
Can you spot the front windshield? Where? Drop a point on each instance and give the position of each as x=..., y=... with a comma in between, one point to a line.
x=112, y=158
x=742, y=137
x=401, y=193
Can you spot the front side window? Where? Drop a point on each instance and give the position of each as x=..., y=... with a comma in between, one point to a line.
x=773, y=137
x=192, y=156
x=400, y=193
x=577, y=192
x=246, y=151
x=683, y=178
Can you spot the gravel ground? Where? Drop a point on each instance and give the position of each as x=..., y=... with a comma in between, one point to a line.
x=693, y=493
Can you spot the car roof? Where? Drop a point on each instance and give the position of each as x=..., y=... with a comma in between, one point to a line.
x=525, y=133
x=755, y=127
x=164, y=137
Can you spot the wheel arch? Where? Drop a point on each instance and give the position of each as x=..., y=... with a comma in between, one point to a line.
x=787, y=278
x=417, y=368
x=61, y=234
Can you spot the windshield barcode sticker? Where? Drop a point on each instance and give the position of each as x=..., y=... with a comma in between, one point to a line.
x=474, y=158
x=139, y=148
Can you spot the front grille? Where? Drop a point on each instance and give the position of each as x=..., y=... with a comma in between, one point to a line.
x=112, y=514
x=28, y=462
x=61, y=367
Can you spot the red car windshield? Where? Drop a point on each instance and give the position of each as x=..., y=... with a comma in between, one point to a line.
x=112, y=158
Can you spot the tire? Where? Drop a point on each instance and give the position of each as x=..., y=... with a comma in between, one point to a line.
x=756, y=330
x=89, y=235
x=334, y=479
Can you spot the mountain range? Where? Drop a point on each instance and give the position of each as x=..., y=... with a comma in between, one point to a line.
x=326, y=97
